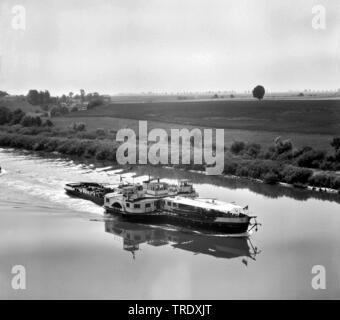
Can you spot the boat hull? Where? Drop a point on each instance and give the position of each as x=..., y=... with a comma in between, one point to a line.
x=96, y=200
x=177, y=220
x=222, y=227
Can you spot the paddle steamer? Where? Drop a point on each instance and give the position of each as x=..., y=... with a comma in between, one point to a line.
x=155, y=203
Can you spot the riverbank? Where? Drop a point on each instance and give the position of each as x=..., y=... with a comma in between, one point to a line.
x=260, y=170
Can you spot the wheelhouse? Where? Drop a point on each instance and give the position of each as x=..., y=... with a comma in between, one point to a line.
x=157, y=189
x=185, y=186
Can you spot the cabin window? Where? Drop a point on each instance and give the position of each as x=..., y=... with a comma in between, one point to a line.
x=169, y=203
x=107, y=200
x=137, y=206
x=128, y=205
x=147, y=205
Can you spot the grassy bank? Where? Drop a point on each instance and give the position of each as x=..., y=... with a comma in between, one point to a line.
x=267, y=170
x=96, y=149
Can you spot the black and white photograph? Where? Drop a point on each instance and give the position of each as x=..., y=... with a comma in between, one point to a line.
x=169, y=150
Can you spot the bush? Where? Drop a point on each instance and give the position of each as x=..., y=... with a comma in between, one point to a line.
x=253, y=169
x=324, y=180
x=311, y=159
x=237, y=147
x=335, y=183
x=253, y=149
x=242, y=171
x=58, y=111
x=281, y=150
x=337, y=155
x=293, y=174
x=17, y=116
x=91, y=150
x=230, y=167
x=28, y=121
x=336, y=143
x=78, y=126
x=282, y=146
x=271, y=178
x=5, y=115
x=105, y=151
x=100, y=132
x=48, y=123
x=320, y=180
x=327, y=165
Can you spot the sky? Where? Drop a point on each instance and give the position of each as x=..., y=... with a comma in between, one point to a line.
x=132, y=46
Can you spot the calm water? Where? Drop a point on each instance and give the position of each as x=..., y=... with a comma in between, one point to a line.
x=71, y=250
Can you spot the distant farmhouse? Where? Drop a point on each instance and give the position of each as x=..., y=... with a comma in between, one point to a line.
x=75, y=103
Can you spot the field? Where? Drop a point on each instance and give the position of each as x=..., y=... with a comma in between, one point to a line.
x=265, y=138
x=298, y=116
x=305, y=122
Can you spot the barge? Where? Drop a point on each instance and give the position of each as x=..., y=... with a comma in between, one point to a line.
x=91, y=191
x=156, y=202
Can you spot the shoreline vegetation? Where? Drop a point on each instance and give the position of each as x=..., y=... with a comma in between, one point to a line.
x=281, y=162
x=261, y=169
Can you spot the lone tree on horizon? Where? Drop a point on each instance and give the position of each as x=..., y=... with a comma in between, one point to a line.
x=259, y=92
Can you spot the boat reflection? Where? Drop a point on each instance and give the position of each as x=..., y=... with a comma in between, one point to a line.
x=224, y=247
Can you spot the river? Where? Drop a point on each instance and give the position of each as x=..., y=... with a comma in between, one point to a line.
x=70, y=249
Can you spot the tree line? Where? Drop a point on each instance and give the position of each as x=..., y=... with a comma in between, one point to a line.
x=8, y=117
x=284, y=151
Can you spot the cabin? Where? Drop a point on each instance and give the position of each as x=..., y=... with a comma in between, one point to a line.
x=156, y=188
x=186, y=186
x=131, y=199
x=210, y=207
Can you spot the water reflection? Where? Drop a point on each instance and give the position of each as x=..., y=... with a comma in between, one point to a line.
x=225, y=247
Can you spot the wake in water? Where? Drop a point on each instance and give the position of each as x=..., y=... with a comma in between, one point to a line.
x=45, y=179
